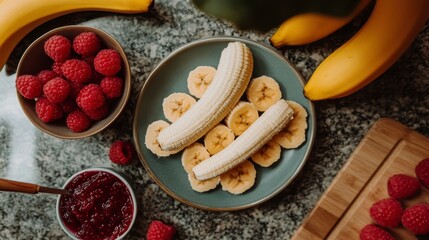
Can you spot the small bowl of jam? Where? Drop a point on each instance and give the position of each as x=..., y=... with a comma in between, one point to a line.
x=102, y=205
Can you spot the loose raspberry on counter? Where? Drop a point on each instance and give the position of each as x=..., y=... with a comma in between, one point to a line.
x=373, y=232
x=90, y=97
x=108, y=62
x=58, y=48
x=416, y=218
x=29, y=86
x=401, y=186
x=112, y=86
x=48, y=111
x=46, y=75
x=78, y=121
x=98, y=113
x=86, y=44
x=121, y=152
x=76, y=70
x=57, y=90
x=422, y=172
x=387, y=212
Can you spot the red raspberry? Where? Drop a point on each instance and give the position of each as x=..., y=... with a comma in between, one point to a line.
x=373, y=232
x=401, y=186
x=77, y=121
x=29, y=86
x=58, y=48
x=68, y=105
x=46, y=75
x=48, y=111
x=56, y=67
x=121, y=152
x=75, y=89
x=57, y=90
x=422, y=172
x=416, y=218
x=86, y=44
x=98, y=113
x=387, y=212
x=76, y=70
x=90, y=97
x=160, y=231
x=112, y=86
x=107, y=62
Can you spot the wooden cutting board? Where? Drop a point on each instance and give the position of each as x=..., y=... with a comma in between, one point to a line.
x=388, y=148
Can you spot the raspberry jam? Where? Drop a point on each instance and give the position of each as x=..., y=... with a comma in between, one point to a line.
x=100, y=206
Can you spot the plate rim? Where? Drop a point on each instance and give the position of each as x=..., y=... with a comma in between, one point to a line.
x=139, y=104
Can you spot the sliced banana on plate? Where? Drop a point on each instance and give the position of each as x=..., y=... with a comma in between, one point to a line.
x=239, y=179
x=263, y=92
x=204, y=185
x=192, y=155
x=152, y=133
x=218, y=138
x=241, y=117
x=176, y=104
x=199, y=80
x=293, y=135
x=268, y=154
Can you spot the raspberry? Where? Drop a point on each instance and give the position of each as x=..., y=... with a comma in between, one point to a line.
x=56, y=67
x=401, y=186
x=121, y=152
x=29, y=86
x=160, y=231
x=57, y=90
x=77, y=71
x=77, y=121
x=422, y=172
x=46, y=75
x=387, y=212
x=373, y=232
x=90, y=97
x=107, y=62
x=58, y=48
x=416, y=218
x=98, y=113
x=86, y=44
x=48, y=111
x=112, y=86
x=68, y=105
x=75, y=89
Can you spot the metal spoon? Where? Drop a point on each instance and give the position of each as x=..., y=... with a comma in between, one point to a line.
x=23, y=187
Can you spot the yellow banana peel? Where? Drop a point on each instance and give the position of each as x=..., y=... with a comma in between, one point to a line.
x=19, y=17
x=388, y=32
x=309, y=27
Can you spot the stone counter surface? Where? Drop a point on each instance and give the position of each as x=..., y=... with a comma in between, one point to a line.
x=27, y=154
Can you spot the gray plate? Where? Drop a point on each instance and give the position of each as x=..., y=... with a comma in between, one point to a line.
x=170, y=76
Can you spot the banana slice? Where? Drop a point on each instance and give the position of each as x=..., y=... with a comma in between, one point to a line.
x=239, y=179
x=192, y=155
x=199, y=79
x=204, y=185
x=241, y=117
x=268, y=154
x=152, y=133
x=218, y=138
x=293, y=135
x=263, y=92
x=176, y=104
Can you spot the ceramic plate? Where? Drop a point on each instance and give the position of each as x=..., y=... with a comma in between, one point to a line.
x=170, y=76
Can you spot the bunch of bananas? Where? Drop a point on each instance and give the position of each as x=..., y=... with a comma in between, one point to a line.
x=388, y=32
x=21, y=16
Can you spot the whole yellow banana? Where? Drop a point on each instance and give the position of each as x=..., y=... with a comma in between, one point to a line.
x=309, y=27
x=389, y=31
x=19, y=17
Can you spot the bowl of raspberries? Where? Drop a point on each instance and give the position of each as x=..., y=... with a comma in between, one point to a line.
x=73, y=81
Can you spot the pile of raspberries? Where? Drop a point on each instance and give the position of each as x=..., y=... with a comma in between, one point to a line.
x=81, y=85
x=390, y=212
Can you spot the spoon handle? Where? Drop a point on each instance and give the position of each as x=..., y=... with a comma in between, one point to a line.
x=15, y=186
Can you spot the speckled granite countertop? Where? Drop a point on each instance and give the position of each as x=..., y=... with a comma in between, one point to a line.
x=27, y=154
